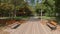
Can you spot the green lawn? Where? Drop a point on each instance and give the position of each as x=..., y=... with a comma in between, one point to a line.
x=45, y=17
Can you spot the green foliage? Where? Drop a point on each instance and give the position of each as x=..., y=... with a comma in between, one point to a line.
x=6, y=6
x=6, y=9
x=10, y=6
x=50, y=7
x=57, y=9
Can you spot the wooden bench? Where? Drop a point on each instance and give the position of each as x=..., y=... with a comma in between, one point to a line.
x=52, y=24
x=14, y=25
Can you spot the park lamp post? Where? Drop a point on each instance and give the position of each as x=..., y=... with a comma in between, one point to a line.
x=41, y=15
x=41, y=11
x=15, y=4
x=40, y=1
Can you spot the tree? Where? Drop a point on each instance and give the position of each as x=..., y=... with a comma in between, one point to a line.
x=17, y=3
x=50, y=7
x=6, y=8
x=57, y=9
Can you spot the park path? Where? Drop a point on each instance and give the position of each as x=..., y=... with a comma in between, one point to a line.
x=32, y=27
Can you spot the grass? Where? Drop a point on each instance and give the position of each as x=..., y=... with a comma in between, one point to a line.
x=20, y=17
x=45, y=17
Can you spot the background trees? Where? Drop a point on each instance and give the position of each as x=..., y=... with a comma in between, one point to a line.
x=8, y=7
x=57, y=9
x=48, y=6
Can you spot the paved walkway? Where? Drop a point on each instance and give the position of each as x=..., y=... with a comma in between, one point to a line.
x=32, y=27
